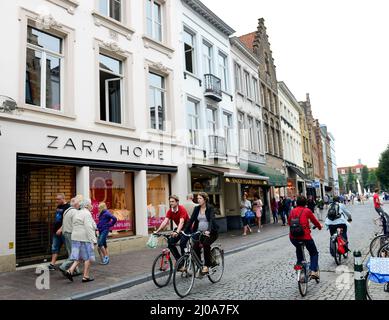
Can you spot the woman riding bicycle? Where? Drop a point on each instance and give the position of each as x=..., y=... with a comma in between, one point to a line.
x=305, y=215
x=340, y=220
x=203, y=219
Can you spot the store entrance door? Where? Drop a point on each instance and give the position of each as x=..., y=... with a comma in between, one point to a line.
x=36, y=190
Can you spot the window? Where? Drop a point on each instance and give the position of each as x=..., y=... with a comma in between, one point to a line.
x=211, y=121
x=247, y=84
x=227, y=124
x=158, y=192
x=256, y=88
x=259, y=135
x=238, y=77
x=251, y=133
x=189, y=51
x=116, y=189
x=241, y=131
x=111, y=84
x=267, y=64
x=193, y=121
x=157, y=98
x=207, y=58
x=154, y=20
x=223, y=71
x=44, y=64
x=111, y=8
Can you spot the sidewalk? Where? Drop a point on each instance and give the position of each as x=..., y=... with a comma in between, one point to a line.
x=124, y=270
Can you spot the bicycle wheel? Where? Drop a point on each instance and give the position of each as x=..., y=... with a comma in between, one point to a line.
x=376, y=291
x=217, y=269
x=303, y=281
x=377, y=243
x=383, y=252
x=183, y=280
x=337, y=256
x=162, y=270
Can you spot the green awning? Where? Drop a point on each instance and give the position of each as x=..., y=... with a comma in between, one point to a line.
x=276, y=179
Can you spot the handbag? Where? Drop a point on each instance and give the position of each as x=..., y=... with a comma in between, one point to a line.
x=249, y=214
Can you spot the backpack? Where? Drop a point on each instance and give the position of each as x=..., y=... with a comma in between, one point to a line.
x=333, y=212
x=296, y=229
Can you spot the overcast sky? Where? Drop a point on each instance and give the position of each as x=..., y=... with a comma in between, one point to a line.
x=338, y=51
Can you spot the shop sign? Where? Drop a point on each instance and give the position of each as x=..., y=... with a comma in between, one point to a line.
x=59, y=143
x=247, y=181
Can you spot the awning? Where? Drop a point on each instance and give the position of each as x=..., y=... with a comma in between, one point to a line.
x=276, y=179
x=235, y=175
x=299, y=173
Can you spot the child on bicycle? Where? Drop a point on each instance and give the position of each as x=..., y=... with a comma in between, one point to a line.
x=305, y=216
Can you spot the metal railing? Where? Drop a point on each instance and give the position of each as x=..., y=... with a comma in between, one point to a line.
x=213, y=87
x=217, y=147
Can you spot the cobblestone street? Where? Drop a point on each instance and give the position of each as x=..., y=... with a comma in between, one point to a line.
x=266, y=271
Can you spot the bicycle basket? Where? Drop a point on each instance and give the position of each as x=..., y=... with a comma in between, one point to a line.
x=378, y=269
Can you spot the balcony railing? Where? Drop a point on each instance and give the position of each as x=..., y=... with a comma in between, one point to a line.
x=217, y=147
x=213, y=87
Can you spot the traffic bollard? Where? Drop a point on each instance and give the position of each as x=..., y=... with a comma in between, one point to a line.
x=359, y=278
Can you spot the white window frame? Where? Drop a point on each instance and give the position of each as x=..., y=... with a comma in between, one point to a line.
x=250, y=124
x=194, y=120
x=207, y=58
x=223, y=71
x=161, y=24
x=242, y=131
x=215, y=123
x=122, y=7
x=258, y=126
x=228, y=130
x=256, y=90
x=247, y=83
x=122, y=95
x=238, y=77
x=194, y=51
x=44, y=53
x=164, y=92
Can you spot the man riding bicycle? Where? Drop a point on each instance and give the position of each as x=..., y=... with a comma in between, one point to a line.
x=304, y=216
x=338, y=217
x=378, y=207
x=179, y=215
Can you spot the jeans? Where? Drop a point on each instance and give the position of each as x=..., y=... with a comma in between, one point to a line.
x=385, y=219
x=68, y=245
x=58, y=241
x=172, y=245
x=283, y=216
x=275, y=216
x=102, y=241
x=334, y=228
x=206, y=242
x=313, y=253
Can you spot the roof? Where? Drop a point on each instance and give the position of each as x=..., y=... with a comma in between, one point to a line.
x=248, y=40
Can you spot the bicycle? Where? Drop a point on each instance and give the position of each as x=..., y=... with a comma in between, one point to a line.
x=336, y=253
x=162, y=269
x=377, y=288
x=302, y=272
x=190, y=265
x=379, y=240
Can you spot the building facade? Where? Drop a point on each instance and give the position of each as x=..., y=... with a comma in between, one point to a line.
x=292, y=144
x=334, y=168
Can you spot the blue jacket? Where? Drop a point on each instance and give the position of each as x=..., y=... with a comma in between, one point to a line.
x=106, y=221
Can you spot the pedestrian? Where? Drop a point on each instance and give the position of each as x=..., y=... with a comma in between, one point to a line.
x=294, y=202
x=378, y=208
x=203, y=219
x=83, y=241
x=106, y=221
x=281, y=210
x=326, y=201
x=311, y=204
x=58, y=239
x=288, y=206
x=274, y=210
x=189, y=204
x=67, y=229
x=258, y=205
x=245, y=206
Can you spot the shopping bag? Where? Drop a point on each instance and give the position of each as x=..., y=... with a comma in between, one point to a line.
x=152, y=243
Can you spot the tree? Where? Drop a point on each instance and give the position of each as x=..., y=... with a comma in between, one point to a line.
x=383, y=169
x=372, y=181
x=341, y=184
x=365, y=176
x=350, y=181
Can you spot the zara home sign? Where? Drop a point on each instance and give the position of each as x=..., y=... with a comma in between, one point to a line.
x=58, y=143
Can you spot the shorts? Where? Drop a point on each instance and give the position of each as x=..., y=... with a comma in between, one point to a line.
x=102, y=241
x=58, y=241
x=82, y=251
x=245, y=221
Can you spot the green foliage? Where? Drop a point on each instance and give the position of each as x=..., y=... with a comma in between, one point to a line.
x=383, y=169
x=365, y=176
x=372, y=181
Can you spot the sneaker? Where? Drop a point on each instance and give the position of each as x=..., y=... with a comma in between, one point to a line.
x=205, y=270
x=105, y=261
x=51, y=267
x=314, y=275
x=259, y=231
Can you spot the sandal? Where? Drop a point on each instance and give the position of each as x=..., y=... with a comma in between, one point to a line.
x=68, y=275
x=87, y=279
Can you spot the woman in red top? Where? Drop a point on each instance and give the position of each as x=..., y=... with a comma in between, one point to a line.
x=306, y=216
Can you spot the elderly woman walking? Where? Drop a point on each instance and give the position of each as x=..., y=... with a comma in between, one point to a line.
x=83, y=241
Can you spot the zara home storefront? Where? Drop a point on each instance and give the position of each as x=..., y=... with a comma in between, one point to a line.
x=133, y=178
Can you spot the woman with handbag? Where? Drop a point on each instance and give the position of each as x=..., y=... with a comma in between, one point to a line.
x=245, y=208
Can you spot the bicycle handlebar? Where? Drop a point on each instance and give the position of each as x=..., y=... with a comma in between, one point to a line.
x=192, y=234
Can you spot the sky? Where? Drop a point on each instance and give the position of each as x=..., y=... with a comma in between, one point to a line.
x=338, y=51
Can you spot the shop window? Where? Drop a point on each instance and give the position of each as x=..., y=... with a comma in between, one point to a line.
x=158, y=191
x=116, y=189
x=211, y=185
